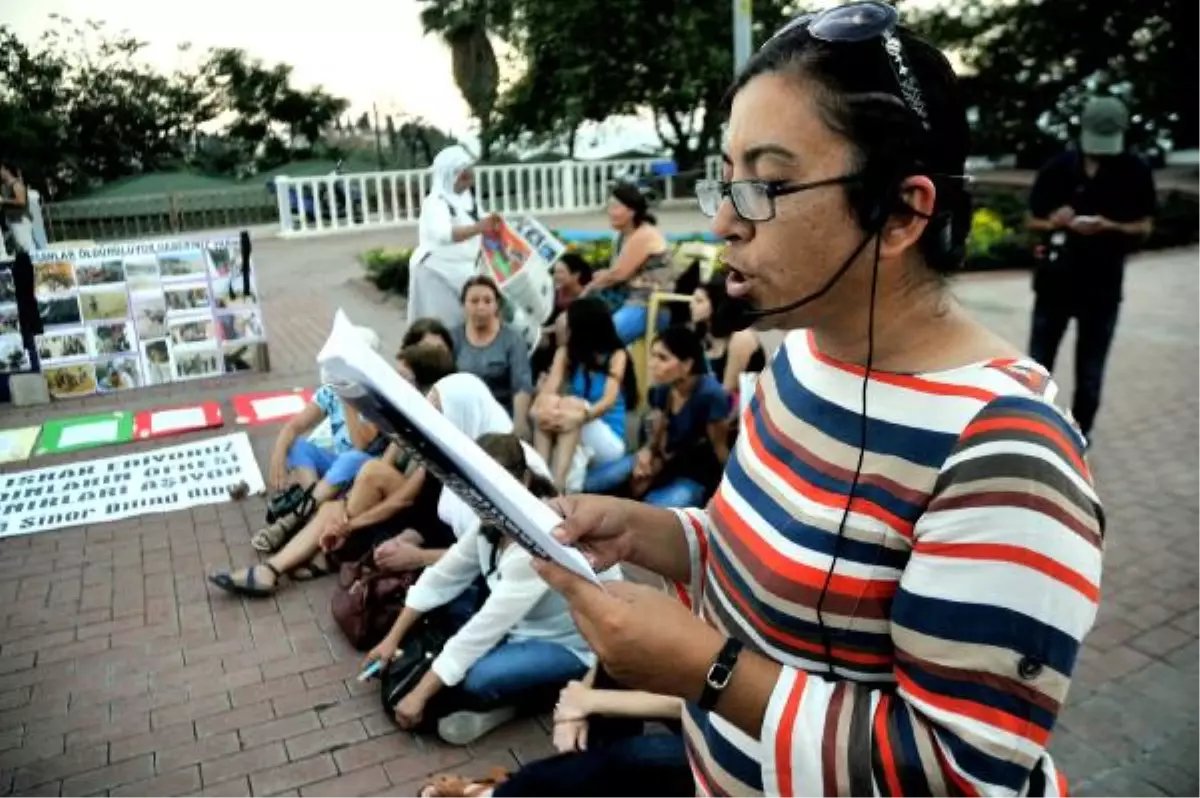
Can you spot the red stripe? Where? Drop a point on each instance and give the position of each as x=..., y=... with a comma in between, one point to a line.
x=1016, y=555
x=1061, y=778
x=885, y=746
x=682, y=594
x=783, y=737
x=970, y=709
x=906, y=381
x=949, y=772
x=1027, y=425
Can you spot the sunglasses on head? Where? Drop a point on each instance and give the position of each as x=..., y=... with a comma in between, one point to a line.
x=754, y=200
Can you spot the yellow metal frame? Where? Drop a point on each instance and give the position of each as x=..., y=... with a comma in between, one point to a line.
x=639, y=352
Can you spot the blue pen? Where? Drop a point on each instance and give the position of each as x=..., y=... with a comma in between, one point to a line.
x=371, y=670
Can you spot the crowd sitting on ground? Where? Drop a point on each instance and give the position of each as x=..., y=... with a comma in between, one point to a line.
x=563, y=418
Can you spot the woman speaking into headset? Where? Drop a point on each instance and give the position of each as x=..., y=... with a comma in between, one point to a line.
x=892, y=584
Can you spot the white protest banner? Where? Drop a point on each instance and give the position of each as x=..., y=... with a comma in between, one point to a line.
x=154, y=481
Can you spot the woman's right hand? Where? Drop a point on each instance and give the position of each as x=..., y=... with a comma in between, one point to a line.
x=596, y=525
x=385, y=652
x=570, y=735
x=277, y=474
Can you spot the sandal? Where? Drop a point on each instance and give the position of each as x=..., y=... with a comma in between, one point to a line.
x=460, y=787
x=224, y=580
x=311, y=569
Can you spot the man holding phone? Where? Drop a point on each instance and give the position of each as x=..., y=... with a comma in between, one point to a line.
x=1092, y=206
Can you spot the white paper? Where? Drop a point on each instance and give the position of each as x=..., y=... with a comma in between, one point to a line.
x=493, y=493
x=171, y=420
x=88, y=434
x=278, y=406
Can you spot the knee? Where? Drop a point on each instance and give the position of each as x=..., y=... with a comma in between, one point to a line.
x=373, y=472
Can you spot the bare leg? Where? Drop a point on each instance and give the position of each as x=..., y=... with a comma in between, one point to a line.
x=564, y=452
x=543, y=439
x=304, y=477
x=298, y=551
x=374, y=482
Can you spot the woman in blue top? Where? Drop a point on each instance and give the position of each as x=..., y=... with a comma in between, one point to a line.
x=682, y=463
x=584, y=397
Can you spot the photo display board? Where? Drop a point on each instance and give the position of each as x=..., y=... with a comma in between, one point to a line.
x=123, y=316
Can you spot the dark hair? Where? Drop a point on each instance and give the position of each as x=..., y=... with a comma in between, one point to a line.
x=427, y=326
x=632, y=198
x=724, y=320
x=684, y=344
x=577, y=265
x=507, y=450
x=477, y=281
x=858, y=98
x=591, y=341
x=428, y=363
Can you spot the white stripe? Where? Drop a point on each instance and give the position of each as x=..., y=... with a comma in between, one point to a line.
x=1028, y=449
x=1003, y=585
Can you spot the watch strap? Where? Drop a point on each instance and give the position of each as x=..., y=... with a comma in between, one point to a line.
x=720, y=672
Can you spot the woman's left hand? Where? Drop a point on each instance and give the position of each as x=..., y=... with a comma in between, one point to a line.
x=572, y=414
x=646, y=639
x=410, y=710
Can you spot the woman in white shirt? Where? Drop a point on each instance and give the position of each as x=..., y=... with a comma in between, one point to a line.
x=522, y=641
x=448, y=243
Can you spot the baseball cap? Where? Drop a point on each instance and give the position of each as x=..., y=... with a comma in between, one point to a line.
x=1104, y=122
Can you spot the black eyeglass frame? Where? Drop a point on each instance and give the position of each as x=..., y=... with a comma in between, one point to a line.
x=770, y=188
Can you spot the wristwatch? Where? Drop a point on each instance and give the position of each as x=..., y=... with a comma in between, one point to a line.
x=719, y=674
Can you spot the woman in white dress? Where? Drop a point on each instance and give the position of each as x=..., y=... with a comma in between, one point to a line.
x=448, y=244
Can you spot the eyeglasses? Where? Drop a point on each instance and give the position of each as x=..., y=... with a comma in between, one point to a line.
x=860, y=22
x=754, y=200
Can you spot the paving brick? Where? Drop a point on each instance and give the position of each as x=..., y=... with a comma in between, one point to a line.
x=337, y=672
x=181, y=782
x=330, y=738
x=207, y=749
x=234, y=788
x=360, y=782
x=272, y=688
x=189, y=711
x=33, y=750
x=362, y=706
x=157, y=740
x=373, y=752
x=281, y=729
x=126, y=726
x=293, y=775
x=297, y=664
x=227, y=682
x=242, y=764
x=251, y=715
x=72, y=763
x=319, y=698
x=1161, y=640
x=106, y=778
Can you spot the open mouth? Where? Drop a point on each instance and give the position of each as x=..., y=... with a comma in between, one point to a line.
x=737, y=284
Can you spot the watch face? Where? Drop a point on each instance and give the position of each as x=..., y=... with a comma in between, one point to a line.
x=718, y=675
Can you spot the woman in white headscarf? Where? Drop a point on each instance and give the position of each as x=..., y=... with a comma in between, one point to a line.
x=448, y=244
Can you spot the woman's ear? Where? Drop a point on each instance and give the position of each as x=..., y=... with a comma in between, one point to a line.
x=906, y=224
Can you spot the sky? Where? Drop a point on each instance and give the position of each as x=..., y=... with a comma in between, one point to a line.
x=368, y=51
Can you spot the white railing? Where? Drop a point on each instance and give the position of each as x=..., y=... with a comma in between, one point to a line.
x=342, y=203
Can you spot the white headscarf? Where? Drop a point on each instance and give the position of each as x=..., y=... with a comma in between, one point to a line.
x=369, y=338
x=447, y=166
x=469, y=405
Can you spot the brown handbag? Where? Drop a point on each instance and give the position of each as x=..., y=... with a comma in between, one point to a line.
x=367, y=601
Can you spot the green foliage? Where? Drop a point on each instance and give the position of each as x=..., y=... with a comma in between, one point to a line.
x=1033, y=61
x=387, y=268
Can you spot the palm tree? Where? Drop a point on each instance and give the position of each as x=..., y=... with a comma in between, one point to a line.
x=464, y=26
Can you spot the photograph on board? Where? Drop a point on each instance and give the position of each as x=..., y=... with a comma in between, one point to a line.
x=184, y=264
x=191, y=333
x=62, y=345
x=104, y=305
x=196, y=364
x=150, y=315
x=53, y=279
x=104, y=273
x=244, y=357
x=141, y=273
x=225, y=257
x=244, y=325
x=66, y=382
x=8, y=289
x=13, y=354
x=112, y=339
x=181, y=299
x=118, y=374
x=10, y=322
x=156, y=356
x=59, y=311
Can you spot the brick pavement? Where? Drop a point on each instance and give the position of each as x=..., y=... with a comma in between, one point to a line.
x=121, y=673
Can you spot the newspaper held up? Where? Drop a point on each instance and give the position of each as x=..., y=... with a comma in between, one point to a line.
x=369, y=383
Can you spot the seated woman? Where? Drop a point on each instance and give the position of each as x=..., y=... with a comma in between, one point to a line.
x=520, y=646
x=572, y=273
x=640, y=265
x=296, y=460
x=584, y=397
x=493, y=351
x=428, y=331
x=391, y=498
x=683, y=461
x=730, y=351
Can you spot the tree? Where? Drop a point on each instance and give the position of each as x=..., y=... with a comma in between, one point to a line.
x=588, y=61
x=1037, y=62
x=464, y=25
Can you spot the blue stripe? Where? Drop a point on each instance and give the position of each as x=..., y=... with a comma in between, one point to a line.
x=985, y=624
x=913, y=779
x=732, y=760
x=982, y=766
x=1004, y=405
x=807, y=535
x=868, y=642
x=979, y=693
x=921, y=446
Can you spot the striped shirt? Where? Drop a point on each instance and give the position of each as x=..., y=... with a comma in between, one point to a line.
x=966, y=578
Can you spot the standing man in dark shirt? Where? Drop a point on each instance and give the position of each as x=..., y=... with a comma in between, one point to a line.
x=1092, y=205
